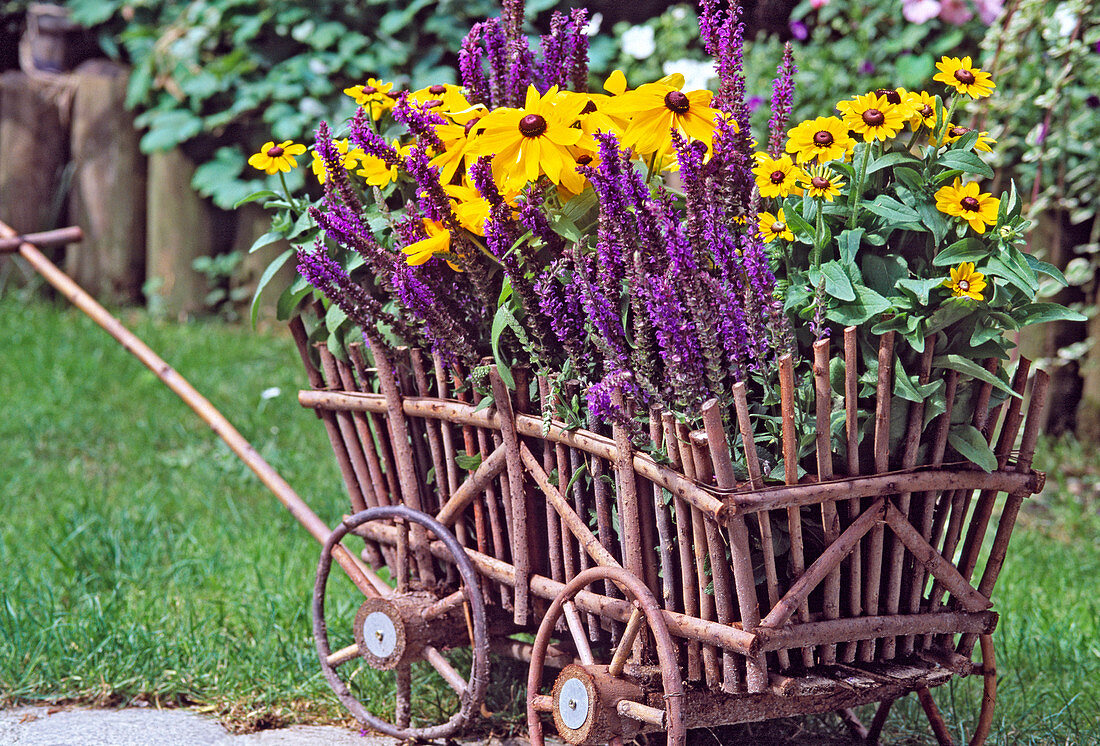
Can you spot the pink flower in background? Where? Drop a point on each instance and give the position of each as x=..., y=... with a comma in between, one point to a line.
x=920, y=11
x=989, y=10
x=818, y=4
x=956, y=12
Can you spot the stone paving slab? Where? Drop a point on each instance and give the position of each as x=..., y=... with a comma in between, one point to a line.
x=53, y=726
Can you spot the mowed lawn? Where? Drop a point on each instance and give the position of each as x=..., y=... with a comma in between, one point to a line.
x=141, y=561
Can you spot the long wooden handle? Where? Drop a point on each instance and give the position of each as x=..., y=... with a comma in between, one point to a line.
x=177, y=383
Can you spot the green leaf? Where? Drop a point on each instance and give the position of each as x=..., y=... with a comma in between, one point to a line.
x=798, y=225
x=501, y=321
x=890, y=159
x=848, y=242
x=910, y=177
x=837, y=283
x=291, y=297
x=935, y=220
x=867, y=304
x=887, y=207
x=1047, y=269
x=467, y=462
x=919, y=289
x=966, y=250
x=265, y=278
x=972, y=369
x=1003, y=270
x=971, y=445
x=1041, y=313
x=966, y=161
x=265, y=240
x=254, y=197
x=168, y=129
x=334, y=317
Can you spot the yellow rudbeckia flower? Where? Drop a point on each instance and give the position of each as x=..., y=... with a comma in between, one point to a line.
x=968, y=202
x=822, y=183
x=774, y=226
x=655, y=109
x=777, y=177
x=873, y=116
x=961, y=75
x=529, y=142
x=823, y=138
x=272, y=158
x=374, y=95
x=965, y=282
x=437, y=242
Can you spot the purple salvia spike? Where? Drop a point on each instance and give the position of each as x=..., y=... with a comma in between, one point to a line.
x=577, y=49
x=363, y=135
x=420, y=122
x=471, y=68
x=496, y=52
x=338, y=188
x=782, y=99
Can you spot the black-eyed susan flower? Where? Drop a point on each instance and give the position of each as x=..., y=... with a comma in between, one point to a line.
x=823, y=138
x=774, y=226
x=924, y=110
x=376, y=171
x=655, y=109
x=872, y=116
x=374, y=95
x=965, y=282
x=984, y=142
x=348, y=158
x=529, y=142
x=438, y=241
x=776, y=177
x=968, y=202
x=961, y=75
x=272, y=158
x=822, y=183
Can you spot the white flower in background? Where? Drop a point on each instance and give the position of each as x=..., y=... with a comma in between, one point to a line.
x=1065, y=19
x=270, y=393
x=697, y=73
x=594, y=23
x=638, y=42
x=679, y=13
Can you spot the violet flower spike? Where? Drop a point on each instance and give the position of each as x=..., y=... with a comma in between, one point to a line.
x=782, y=99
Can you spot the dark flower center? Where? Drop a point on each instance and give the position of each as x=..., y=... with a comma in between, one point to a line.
x=823, y=138
x=964, y=285
x=777, y=177
x=969, y=203
x=432, y=103
x=470, y=124
x=964, y=76
x=778, y=227
x=369, y=90
x=959, y=131
x=532, y=125
x=437, y=90
x=677, y=101
x=819, y=182
x=892, y=96
x=873, y=118
x=927, y=111
x=589, y=107
x=275, y=152
x=584, y=159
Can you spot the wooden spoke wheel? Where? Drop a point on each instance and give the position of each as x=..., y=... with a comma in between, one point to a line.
x=594, y=702
x=394, y=630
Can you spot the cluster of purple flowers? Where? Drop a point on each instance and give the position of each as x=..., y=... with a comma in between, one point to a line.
x=496, y=63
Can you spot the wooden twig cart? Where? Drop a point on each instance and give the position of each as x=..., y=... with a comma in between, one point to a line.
x=666, y=594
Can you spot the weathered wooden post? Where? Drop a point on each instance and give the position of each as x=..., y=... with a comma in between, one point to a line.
x=34, y=142
x=179, y=231
x=108, y=186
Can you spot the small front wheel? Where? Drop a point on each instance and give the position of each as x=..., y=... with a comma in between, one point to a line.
x=406, y=631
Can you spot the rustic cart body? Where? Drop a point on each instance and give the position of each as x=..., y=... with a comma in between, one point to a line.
x=665, y=592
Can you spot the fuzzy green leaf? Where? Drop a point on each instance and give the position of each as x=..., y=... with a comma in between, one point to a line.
x=971, y=445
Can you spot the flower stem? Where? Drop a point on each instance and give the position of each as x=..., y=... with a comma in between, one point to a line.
x=286, y=193
x=857, y=188
x=819, y=235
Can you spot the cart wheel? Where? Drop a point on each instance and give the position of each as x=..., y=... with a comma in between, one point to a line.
x=394, y=630
x=989, y=701
x=594, y=703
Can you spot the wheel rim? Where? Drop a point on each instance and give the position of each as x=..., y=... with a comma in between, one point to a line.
x=567, y=693
x=474, y=689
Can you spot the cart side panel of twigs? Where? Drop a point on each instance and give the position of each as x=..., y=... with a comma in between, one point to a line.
x=875, y=575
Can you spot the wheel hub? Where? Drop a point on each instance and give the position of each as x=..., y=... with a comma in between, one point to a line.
x=379, y=634
x=573, y=703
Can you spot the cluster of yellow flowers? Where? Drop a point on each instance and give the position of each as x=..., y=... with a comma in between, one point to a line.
x=881, y=116
x=550, y=135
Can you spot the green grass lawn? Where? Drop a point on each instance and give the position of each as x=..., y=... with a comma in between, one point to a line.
x=142, y=561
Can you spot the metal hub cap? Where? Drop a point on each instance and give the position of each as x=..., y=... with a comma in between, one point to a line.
x=573, y=703
x=379, y=634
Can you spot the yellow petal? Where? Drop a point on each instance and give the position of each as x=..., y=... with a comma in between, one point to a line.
x=615, y=83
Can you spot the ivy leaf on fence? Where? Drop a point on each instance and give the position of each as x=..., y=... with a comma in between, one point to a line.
x=971, y=445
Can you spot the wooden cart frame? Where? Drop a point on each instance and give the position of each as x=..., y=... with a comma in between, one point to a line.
x=659, y=589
